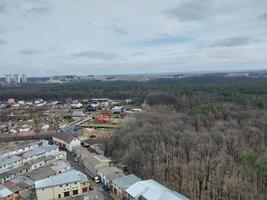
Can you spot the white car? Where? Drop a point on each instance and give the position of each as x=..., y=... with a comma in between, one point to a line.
x=13, y=131
x=96, y=179
x=24, y=129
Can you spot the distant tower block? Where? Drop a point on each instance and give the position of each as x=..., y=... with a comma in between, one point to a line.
x=8, y=78
x=23, y=78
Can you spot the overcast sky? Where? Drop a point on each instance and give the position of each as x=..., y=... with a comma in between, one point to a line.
x=45, y=37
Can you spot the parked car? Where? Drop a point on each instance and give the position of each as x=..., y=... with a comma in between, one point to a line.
x=97, y=179
x=76, y=159
x=105, y=187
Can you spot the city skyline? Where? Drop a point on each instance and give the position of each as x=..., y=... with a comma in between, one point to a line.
x=44, y=38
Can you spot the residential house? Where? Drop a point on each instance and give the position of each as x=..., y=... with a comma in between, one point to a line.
x=69, y=183
x=107, y=175
x=82, y=153
x=72, y=129
x=10, y=162
x=78, y=115
x=32, y=165
x=23, y=148
x=120, y=185
x=91, y=161
x=22, y=187
x=5, y=176
x=118, y=109
x=96, y=162
x=58, y=167
x=41, y=151
x=5, y=193
x=66, y=140
x=151, y=190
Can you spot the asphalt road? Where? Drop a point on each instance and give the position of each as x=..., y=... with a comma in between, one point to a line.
x=78, y=166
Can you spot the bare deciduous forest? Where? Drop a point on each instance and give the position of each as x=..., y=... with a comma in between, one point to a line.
x=202, y=148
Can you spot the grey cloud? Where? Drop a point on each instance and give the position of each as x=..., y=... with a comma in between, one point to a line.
x=39, y=10
x=3, y=6
x=263, y=16
x=2, y=42
x=117, y=29
x=2, y=29
x=138, y=54
x=96, y=55
x=194, y=10
x=27, y=52
x=232, y=41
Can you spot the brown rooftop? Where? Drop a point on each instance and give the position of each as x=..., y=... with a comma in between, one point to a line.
x=67, y=137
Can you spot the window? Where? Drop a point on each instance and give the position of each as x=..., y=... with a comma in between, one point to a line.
x=67, y=184
x=84, y=189
x=66, y=194
x=59, y=196
x=75, y=192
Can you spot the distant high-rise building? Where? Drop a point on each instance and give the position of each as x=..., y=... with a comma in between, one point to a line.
x=16, y=78
x=23, y=78
x=9, y=78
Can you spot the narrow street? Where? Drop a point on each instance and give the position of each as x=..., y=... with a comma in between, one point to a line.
x=78, y=166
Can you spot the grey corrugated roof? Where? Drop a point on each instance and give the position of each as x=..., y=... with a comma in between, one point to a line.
x=126, y=181
x=40, y=150
x=9, y=160
x=4, y=191
x=152, y=190
x=67, y=177
x=5, y=174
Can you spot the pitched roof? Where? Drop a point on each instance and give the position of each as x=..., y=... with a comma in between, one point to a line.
x=19, y=183
x=152, y=190
x=9, y=160
x=40, y=150
x=70, y=176
x=4, y=191
x=126, y=181
x=67, y=137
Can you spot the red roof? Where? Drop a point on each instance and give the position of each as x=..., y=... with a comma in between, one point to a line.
x=9, y=184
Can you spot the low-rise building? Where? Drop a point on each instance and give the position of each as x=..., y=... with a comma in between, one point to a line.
x=118, y=109
x=107, y=175
x=69, y=183
x=22, y=187
x=41, y=151
x=96, y=162
x=22, y=148
x=5, y=193
x=10, y=162
x=6, y=176
x=78, y=115
x=66, y=141
x=33, y=165
x=120, y=185
x=151, y=190
x=91, y=161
